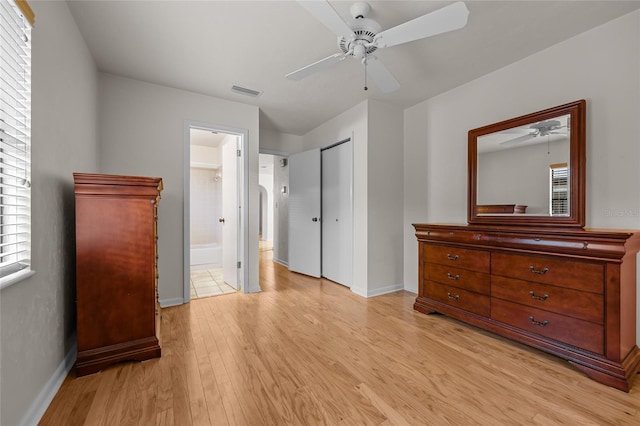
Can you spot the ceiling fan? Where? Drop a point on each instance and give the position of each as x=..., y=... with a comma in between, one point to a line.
x=542, y=128
x=362, y=36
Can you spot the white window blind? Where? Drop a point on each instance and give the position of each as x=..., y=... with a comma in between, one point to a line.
x=15, y=143
x=559, y=181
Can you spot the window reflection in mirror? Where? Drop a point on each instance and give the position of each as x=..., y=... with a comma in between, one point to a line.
x=522, y=167
x=559, y=189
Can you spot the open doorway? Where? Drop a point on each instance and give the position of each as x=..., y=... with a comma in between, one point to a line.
x=213, y=224
x=274, y=207
x=266, y=200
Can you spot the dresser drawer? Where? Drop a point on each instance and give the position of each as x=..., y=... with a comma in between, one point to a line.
x=469, y=301
x=461, y=278
x=573, y=303
x=583, y=276
x=473, y=260
x=572, y=331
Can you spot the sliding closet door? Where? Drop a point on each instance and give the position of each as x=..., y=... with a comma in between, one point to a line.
x=337, y=213
x=304, y=212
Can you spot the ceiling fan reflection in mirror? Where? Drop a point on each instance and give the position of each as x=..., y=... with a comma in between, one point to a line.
x=542, y=128
x=362, y=36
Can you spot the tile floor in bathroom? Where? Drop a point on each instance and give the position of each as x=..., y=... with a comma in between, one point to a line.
x=209, y=282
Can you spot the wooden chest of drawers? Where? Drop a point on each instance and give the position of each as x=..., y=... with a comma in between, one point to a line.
x=116, y=270
x=568, y=292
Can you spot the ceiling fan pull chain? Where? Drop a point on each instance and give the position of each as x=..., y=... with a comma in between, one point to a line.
x=365, y=73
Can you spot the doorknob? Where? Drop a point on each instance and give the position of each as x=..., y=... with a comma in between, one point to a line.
x=221, y=220
x=315, y=219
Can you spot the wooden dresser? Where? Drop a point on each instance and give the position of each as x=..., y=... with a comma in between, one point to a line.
x=571, y=293
x=116, y=269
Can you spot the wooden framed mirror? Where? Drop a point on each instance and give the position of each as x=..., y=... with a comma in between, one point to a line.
x=530, y=170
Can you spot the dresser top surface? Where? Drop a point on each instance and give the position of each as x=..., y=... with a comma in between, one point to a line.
x=528, y=230
x=103, y=179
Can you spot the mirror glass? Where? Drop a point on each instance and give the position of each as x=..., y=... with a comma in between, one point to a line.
x=522, y=166
x=530, y=169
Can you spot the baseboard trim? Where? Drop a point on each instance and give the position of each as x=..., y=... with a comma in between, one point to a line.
x=281, y=262
x=165, y=303
x=254, y=289
x=378, y=291
x=41, y=403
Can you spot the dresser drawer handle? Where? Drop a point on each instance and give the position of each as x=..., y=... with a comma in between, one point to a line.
x=533, y=296
x=539, y=323
x=455, y=277
x=450, y=257
x=452, y=297
x=538, y=271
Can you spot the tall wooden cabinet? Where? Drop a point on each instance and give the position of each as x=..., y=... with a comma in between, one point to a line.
x=116, y=269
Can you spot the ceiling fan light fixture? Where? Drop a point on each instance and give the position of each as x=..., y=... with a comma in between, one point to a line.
x=362, y=36
x=359, y=51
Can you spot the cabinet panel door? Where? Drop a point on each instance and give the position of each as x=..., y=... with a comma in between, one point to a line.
x=115, y=270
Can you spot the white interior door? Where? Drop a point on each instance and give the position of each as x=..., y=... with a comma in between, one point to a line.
x=229, y=217
x=337, y=214
x=304, y=212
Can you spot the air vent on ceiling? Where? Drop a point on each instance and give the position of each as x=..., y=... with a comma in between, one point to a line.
x=245, y=91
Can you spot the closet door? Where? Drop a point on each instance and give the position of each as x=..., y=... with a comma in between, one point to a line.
x=337, y=214
x=304, y=212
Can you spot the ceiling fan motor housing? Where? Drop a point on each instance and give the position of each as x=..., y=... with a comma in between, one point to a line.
x=364, y=30
x=544, y=127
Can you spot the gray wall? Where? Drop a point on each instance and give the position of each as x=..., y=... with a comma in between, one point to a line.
x=385, y=199
x=38, y=314
x=142, y=133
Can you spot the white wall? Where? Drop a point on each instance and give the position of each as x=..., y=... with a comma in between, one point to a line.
x=205, y=156
x=142, y=133
x=281, y=212
x=385, y=199
x=601, y=66
x=265, y=179
x=281, y=145
x=206, y=194
x=273, y=142
x=351, y=124
x=205, y=206
x=38, y=315
x=377, y=132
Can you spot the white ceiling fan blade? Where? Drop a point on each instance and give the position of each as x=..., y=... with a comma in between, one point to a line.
x=315, y=67
x=518, y=140
x=381, y=75
x=448, y=18
x=326, y=14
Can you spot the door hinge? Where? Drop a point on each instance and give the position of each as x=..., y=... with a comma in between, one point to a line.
x=239, y=153
x=239, y=264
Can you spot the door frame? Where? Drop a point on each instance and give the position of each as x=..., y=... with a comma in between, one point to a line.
x=243, y=203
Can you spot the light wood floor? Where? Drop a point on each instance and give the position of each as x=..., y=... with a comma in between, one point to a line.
x=307, y=352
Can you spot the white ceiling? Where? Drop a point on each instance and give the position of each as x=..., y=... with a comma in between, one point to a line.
x=208, y=138
x=208, y=46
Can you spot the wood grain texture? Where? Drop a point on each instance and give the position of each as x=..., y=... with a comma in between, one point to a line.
x=587, y=277
x=309, y=352
x=116, y=275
